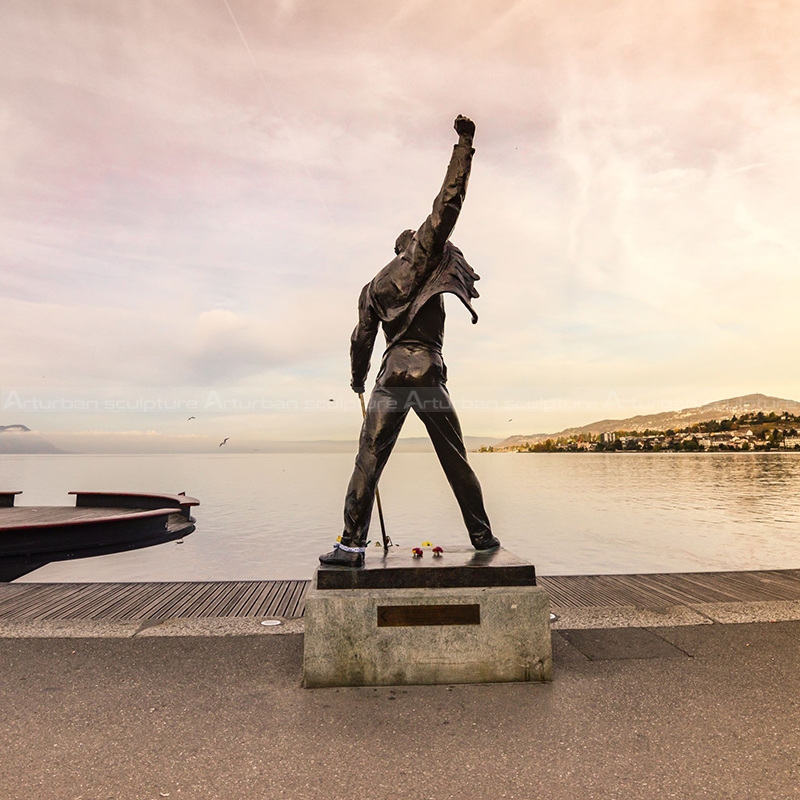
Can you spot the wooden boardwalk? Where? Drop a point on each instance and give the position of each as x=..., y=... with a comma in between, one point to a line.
x=152, y=601
x=662, y=591
x=198, y=599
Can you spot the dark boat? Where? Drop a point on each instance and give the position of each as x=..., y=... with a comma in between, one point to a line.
x=98, y=524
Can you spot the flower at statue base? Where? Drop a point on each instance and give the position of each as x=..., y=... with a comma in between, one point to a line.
x=437, y=552
x=417, y=552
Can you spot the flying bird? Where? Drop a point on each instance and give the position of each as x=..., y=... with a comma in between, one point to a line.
x=224, y=440
x=191, y=418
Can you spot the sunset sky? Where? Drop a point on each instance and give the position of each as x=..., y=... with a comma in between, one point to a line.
x=193, y=194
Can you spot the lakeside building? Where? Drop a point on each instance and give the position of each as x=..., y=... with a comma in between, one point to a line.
x=718, y=441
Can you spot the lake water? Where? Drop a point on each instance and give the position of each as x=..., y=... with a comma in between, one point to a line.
x=268, y=516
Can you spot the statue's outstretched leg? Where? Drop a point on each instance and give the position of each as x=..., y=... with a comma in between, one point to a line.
x=386, y=413
x=441, y=421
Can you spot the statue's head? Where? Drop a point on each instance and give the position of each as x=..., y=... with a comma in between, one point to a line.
x=403, y=241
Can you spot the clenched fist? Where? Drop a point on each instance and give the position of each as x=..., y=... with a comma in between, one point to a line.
x=464, y=126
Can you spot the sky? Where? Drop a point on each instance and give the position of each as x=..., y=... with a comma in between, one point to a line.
x=192, y=195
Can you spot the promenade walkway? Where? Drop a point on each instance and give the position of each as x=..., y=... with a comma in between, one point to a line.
x=698, y=711
x=146, y=705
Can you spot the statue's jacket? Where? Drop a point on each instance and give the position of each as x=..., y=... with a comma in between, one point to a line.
x=406, y=295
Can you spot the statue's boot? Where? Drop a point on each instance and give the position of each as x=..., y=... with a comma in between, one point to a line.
x=342, y=558
x=485, y=541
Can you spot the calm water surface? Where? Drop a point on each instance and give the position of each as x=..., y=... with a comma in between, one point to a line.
x=268, y=516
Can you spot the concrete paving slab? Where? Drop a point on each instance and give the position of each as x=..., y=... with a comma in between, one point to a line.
x=763, y=611
x=107, y=629
x=67, y=629
x=564, y=652
x=734, y=641
x=220, y=626
x=621, y=643
x=627, y=617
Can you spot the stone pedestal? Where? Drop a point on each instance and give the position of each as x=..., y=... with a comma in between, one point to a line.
x=463, y=618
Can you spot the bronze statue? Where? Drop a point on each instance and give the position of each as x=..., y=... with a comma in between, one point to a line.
x=405, y=297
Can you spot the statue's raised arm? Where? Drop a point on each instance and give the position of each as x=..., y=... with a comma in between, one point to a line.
x=436, y=230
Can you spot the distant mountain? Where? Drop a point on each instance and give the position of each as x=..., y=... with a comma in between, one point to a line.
x=20, y=439
x=721, y=409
